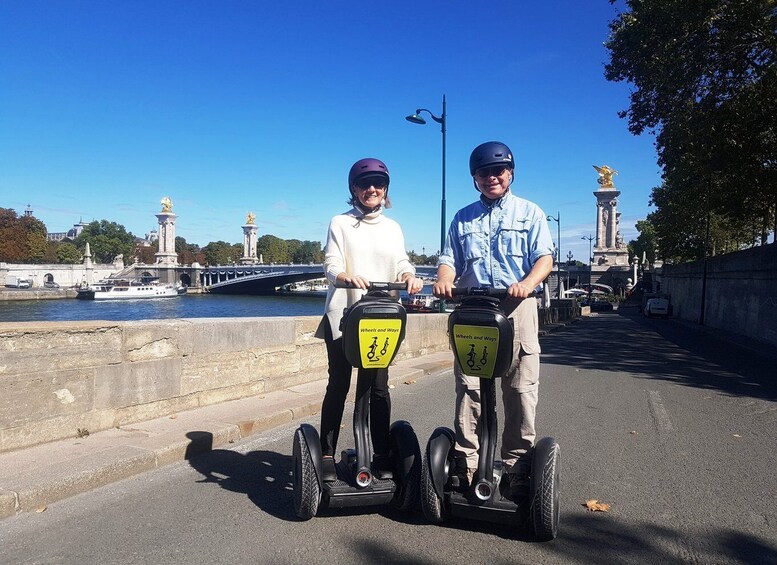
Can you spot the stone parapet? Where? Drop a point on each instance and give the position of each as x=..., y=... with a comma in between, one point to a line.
x=62, y=379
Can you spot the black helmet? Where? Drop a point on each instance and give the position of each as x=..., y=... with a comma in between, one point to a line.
x=490, y=153
x=367, y=168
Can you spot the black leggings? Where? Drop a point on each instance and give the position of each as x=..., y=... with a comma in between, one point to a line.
x=337, y=391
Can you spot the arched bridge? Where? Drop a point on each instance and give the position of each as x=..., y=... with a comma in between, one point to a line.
x=264, y=279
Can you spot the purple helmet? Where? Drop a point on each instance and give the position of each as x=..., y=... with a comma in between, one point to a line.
x=490, y=153
x=367, y=168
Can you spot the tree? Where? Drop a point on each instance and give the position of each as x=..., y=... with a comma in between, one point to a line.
x=645, y=242
x=220, y=253
x=273, y=249
x=68, y=253
x=706, y=84
x=106, y=241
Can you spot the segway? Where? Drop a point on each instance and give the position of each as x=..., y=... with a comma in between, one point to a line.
x=372, y=329
x=481, y=337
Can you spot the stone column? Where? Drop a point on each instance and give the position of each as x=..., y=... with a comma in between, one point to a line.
x=88, y=267
x=166, y=255
x=249, y=241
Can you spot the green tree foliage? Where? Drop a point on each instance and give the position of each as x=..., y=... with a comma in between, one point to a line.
x=705, y=82
x=220, y=253
x=273, y=249
x=188, y=253
x=68, y=253
x=106, y=241
x=22, y=239
x=645, y=243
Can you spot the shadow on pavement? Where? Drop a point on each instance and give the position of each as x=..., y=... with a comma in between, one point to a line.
x=264, y=476
x=662, y=349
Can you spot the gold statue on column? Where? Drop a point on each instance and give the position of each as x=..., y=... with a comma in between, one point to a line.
x=167, y=204
x=250, y=219
x=605, y=176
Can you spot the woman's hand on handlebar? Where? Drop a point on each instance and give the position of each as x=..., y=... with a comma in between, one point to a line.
x=355, y=281
x=414, y=284
x=519, y=290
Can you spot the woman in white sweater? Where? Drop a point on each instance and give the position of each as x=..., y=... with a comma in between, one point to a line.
x=363, y=245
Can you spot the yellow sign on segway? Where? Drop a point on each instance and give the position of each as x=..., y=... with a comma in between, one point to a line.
x=476, y=348
x=378, y=340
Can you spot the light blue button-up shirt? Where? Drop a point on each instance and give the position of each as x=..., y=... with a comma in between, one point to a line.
x=496, y=243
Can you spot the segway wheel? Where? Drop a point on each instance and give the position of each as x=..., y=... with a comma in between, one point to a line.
x=406, y=455
x=431, y=503
x=307, y=493
x=544, y=509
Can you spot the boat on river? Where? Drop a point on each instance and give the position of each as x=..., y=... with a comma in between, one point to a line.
x=125, y=289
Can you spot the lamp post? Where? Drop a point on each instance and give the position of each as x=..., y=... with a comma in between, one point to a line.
x=590, y=238
x=569, y=260
x=442, y=120
x=557, y=219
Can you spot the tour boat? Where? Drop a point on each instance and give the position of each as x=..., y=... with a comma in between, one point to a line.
x=123, y=289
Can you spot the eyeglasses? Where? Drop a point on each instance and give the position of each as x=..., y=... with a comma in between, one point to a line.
x=364, y=184
x=495, y=171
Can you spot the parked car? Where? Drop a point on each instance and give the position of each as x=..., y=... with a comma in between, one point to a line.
x=50, y=284
x=656, y=307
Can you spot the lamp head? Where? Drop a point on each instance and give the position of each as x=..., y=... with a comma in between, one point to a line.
x=416, y=119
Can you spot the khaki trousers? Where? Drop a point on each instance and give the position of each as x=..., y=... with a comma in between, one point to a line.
x=519, y=392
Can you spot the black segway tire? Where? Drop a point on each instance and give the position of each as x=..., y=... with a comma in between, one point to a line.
x=431, y=503
x=307, y=494
x=544, y=510
x=406, y=455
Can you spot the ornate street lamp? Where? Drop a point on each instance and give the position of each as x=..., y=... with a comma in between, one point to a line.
x=417, y=119
x=557, y=219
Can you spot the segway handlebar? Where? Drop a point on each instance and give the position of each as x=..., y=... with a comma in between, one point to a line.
x=483, y=291
x=374, y=285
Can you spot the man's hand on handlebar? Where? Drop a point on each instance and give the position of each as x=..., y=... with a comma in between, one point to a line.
x=519, y=290
x=443, y=289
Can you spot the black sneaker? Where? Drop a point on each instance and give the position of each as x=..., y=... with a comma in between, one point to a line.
x=519, y=479
x=328, y=469
x=382, y=467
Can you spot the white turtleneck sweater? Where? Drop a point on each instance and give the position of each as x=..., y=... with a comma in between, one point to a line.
x=371, y=246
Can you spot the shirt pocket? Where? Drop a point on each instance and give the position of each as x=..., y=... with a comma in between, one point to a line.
x=473, y=243
x=514, y=238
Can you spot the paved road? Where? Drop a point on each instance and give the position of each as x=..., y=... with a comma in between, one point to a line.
x=651, y=418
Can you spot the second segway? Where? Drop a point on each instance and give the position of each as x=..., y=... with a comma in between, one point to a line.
x=373, y=330
x=481, y=337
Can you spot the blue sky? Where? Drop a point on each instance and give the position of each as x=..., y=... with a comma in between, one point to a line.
x=236, y=106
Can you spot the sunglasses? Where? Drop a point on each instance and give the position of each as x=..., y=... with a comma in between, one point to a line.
x=364, y=184
x=495, y=171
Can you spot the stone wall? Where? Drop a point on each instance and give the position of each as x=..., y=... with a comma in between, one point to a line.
x=61, y=377
x=740, y=292
x=63, y=275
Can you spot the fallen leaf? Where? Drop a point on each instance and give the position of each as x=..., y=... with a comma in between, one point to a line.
x=392, y=386
x=737, y=435
x=409, y=382
x=595, y=506
x=82, y=432
x=40, y=509
x=633, y=432
x=173, y=416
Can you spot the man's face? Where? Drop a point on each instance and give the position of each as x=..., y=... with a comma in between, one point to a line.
x=493, y=181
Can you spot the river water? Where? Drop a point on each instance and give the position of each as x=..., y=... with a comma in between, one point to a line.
x=188, y=306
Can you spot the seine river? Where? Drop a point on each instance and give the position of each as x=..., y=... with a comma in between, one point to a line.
x=188, y=306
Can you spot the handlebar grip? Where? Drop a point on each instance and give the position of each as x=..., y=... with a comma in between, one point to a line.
x=483, y=291
x=374, y=285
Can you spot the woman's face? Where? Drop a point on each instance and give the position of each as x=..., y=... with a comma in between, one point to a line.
x=493, y=181
x=370, y=191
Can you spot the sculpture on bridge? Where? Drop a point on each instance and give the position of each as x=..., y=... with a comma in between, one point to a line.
x=167, y=204
x=605, y=176
x=250, y=219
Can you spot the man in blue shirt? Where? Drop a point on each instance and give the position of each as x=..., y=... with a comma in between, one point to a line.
x=499, y=241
